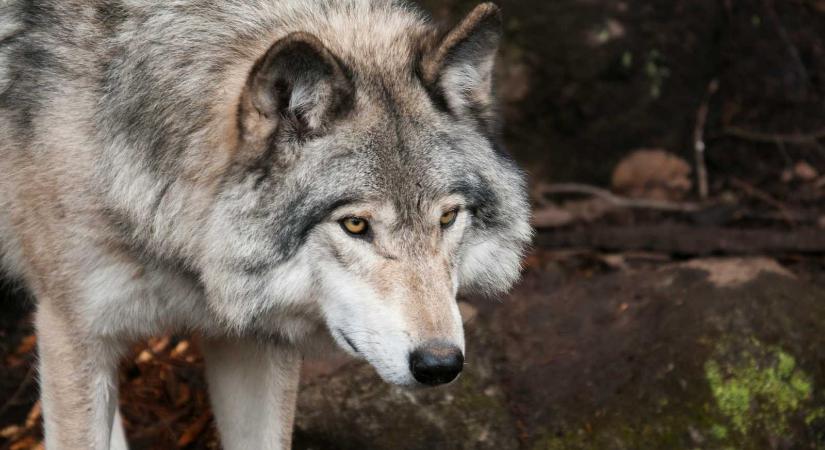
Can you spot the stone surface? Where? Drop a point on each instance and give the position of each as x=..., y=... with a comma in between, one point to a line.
x=354, y=409
x=653, y=358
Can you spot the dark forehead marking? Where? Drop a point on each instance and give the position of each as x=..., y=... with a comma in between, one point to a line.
x=398, y=160
x=291, y=229
x=302, y=214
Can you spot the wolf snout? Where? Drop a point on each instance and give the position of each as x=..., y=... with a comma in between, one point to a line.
x=433, y=364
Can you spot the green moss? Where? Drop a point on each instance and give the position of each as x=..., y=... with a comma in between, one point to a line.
x=815, y=415
x=627, y=59
x=657, y=72
x=757, y=387
x=785, y=364
x=719, y=432
x=754, y=392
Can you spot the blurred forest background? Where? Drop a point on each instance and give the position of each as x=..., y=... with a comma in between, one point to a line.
x=675, y=296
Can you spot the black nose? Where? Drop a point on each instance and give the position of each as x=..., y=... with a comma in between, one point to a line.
x=434, y=364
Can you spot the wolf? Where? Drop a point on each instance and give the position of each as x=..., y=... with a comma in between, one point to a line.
x=265, y=174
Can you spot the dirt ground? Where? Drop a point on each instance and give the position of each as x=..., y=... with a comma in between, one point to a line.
x=650, y=316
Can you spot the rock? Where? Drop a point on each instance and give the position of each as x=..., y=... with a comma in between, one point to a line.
x=712, y=354
x=653, y=174
x=353, y=409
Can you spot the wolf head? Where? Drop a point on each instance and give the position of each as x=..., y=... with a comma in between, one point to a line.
x=367, y=191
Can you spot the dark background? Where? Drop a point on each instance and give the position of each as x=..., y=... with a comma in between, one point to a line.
x=621, y=335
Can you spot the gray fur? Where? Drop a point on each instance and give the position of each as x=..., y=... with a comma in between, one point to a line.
x=139, y=139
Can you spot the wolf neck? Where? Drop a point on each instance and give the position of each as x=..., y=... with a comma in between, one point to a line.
x=170, y=122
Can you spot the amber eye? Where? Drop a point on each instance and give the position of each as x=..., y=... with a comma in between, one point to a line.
x=355, y=225
x=448, y=218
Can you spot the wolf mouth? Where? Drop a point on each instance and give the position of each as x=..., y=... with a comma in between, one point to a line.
x=348, y=341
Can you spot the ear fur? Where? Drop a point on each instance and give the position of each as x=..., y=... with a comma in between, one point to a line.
x=294, y=91
x=460, y=68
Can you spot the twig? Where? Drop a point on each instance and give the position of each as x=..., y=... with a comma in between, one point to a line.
x=17, y=393
x=699, y=140
x=772, y=138
x=615, y=200
x=786, y=39
x=757, y=193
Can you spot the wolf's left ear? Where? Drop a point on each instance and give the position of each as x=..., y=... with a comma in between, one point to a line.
x=460, y=68
x=296, y=89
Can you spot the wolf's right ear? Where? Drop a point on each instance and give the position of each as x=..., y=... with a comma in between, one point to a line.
x=296, y=89
x=459, y=69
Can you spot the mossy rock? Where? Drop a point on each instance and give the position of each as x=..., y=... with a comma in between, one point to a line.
x=714, y=354
x=720, y=354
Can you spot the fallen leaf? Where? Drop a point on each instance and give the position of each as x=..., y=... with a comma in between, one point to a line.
x=193, y=430
x=34, y=415
x=180, y=349
x=159, y=345
x=27, y=443
x=144, y=357
x=10, y=432
x=27, y=344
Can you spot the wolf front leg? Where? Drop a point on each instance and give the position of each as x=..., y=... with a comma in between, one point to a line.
x=252, y=387
x=118, y=441
x=78, y=383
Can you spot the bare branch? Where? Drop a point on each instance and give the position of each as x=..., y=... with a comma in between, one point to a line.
x=757, y=193
x=699, y=140
x=774, y=138
x=616, y=200
x=786, y=39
